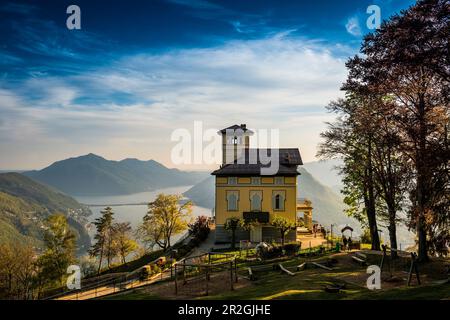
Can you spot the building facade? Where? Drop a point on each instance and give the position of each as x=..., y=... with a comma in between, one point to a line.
x=243, y=191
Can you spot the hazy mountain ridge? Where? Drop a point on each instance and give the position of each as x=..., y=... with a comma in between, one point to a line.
x=92, y=175
x=326, y=172
x=24, y=205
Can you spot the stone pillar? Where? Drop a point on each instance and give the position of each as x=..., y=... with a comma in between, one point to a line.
x=308, y=220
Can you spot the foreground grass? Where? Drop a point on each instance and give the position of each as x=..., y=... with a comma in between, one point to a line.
x=309, y=285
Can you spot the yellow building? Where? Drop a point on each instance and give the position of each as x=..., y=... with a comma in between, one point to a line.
x=243, y=190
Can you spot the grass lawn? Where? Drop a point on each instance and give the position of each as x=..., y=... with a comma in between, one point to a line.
x=309, y=284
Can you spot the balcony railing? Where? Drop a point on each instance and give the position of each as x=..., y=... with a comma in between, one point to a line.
x=261, y=217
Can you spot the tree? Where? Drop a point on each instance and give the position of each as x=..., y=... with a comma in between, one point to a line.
x=60, y=243
x=25, y=258
x=150, y=234
x=231, y=224
x=283, y=225
x=248, y=226
x=406, y=60
x=88, y=266
x=17, y=271
x=391, y=172
x=200, y=228
x=165, y=218
x=103, y=237
x=351, y=138
x=123, y=242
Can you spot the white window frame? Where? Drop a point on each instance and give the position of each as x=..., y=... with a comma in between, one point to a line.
x=228, y=195
x=282, y=195
x=232, y=181
x=260, y=195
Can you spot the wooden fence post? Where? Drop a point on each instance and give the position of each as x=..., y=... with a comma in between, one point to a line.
x=231, y=275
x=207, y=279
x=176, y=284
x=184, y=271
x=235, y=270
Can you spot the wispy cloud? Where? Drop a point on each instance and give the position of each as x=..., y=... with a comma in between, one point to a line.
x=277, y=82
x=353, y=26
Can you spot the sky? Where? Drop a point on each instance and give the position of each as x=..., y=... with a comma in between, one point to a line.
x=138, y=70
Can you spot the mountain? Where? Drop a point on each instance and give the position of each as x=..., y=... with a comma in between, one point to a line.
x=328, y=206
x=326, y=173
x=92, y=175
x=25, y=204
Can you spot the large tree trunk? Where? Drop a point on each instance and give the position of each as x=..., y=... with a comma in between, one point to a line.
x=371, y=212
x=422, y=237
x=100, y=262
x=422, y=180
x=393, y=232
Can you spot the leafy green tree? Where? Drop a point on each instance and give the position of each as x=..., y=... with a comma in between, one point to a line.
x=17, y=271
x=60, y=243
x=283, y=225
x=165, y=218
x=231, y=224
x=200, y=228
x=150, y=234
x=103, y=245
x=123, y=242
x=247, y=225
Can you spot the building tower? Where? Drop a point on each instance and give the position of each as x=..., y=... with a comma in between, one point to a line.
x=235, y=140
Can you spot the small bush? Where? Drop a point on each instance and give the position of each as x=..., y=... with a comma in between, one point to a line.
x=199, y=229
x=269, y=252
x=291, y=249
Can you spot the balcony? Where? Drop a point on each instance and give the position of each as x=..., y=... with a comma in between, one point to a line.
x=261, y=217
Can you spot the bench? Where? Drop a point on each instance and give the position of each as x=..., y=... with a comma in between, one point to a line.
x=251, y=276
x=360, y=258
x=286, y=270
x=322, y=266
x=302, y=266
x=361, y=255
x=256, y=268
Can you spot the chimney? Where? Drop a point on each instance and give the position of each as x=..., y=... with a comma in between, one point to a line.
x=244, y=126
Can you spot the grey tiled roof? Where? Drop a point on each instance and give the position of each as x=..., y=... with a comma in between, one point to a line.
x=251, y=164
x=236, y=127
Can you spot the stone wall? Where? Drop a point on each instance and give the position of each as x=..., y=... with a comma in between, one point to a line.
x=269, y=234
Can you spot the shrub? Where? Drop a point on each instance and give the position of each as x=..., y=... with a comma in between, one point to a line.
x=291, y=249
x=269, y=251
x=199, y=229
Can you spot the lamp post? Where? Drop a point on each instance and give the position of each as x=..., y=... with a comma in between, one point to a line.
x=331, y=233
x=331, y=230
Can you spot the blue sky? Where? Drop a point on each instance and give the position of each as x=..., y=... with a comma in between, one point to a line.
x=137, y=70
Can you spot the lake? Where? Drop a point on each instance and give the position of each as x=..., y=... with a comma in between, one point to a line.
x=133, y=207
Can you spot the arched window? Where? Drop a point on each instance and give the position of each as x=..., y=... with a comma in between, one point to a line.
x=256, y=202
x=232, y=200
x=278, y=201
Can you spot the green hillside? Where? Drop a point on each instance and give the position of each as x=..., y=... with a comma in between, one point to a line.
x=328, y=206
x=16, y=220
x=92, y=175
x=24, y=205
